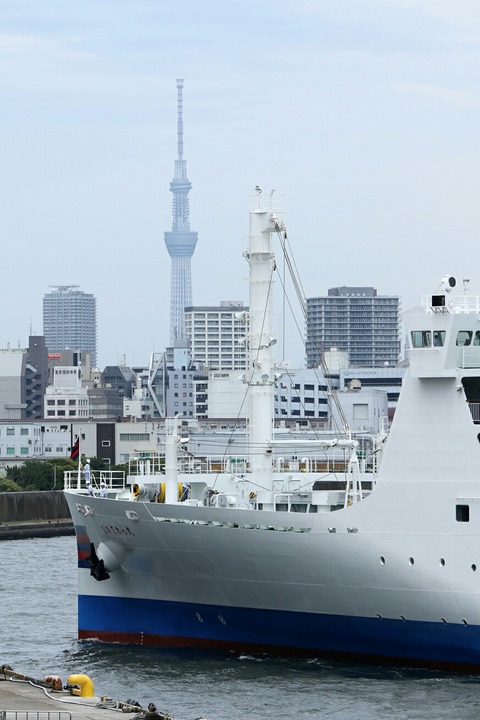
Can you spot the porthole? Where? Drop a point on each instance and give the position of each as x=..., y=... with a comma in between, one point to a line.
x=199, y=617
x=442, y=562
x=411, y=561
x=382, y=560
x=474, y=567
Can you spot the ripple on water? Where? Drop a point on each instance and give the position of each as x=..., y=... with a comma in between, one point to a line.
x=39, y=626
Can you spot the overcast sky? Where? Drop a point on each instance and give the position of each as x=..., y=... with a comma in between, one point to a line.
x=363, y=114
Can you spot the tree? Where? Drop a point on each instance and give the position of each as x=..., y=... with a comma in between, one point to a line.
x=7, y=485
x=40, y=474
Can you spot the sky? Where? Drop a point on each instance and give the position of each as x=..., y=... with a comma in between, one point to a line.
x=364, y=115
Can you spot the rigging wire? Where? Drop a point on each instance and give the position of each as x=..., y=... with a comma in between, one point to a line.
x=297, y=285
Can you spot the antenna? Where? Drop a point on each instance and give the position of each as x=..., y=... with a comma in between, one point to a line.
x=180, y=118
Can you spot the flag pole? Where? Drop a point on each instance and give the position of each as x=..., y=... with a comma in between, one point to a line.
x=79, y=476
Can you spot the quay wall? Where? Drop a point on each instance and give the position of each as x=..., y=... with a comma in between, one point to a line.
x=34, y=514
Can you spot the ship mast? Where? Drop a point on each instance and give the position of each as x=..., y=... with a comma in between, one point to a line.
x=260, y=374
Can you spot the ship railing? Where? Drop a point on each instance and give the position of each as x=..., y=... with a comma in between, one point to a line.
x=238, y=466
x=470, y=357
x=475, y=411
x=113, y=479
x=146, y=463
x=465, y=303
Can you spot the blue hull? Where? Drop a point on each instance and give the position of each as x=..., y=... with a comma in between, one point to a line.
x=171, y=624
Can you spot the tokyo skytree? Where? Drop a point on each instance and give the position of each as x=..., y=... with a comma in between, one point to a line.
x=181, y=241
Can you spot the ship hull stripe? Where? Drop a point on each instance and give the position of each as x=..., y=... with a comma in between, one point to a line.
x=172, y=624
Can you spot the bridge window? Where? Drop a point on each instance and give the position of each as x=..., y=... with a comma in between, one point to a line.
x=464, y=337
x=439, y=338
x=421, y=338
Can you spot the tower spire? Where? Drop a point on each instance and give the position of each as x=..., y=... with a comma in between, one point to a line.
x=180, y=119
x=181, y=241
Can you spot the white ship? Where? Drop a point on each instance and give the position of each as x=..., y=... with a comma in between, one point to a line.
x=263, y=557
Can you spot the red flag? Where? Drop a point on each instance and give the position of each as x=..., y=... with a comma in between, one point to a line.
x=75, y=450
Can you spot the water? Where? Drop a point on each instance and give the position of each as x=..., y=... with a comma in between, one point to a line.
x=38, y=637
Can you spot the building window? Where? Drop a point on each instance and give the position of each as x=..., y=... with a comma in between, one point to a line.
x=24, y=451
x=23, y=431
x=105, y=443
x=10, y=451
x=10, y=431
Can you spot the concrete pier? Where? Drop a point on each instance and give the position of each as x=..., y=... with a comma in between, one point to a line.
x=20, y=700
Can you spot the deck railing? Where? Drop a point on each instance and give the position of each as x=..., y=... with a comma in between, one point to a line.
x=475, y=411
x=152, y=465
x=113, y=479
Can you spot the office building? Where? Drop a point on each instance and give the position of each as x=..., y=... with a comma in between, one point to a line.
x=70, y=321
x=355, y=320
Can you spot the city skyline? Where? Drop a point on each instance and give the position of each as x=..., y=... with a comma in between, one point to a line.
x=363, y=115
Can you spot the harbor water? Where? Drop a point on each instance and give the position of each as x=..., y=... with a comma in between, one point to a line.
x=38, y=637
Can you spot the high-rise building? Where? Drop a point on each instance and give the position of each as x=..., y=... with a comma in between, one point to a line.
x=70, y=321
x=355, y=320
x=181, y=241
x=218, y=335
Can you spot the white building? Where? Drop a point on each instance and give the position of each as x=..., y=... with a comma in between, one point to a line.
x=66, y=398
x=141, y=405
x=20, y=441
x=217, y=335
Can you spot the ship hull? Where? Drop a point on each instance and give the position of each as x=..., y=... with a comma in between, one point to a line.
x=349, y=583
